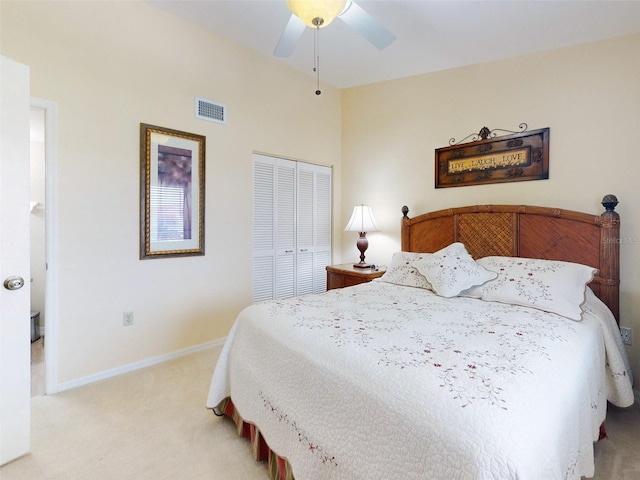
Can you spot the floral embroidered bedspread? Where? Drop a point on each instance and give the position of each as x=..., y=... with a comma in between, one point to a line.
x=381, y=381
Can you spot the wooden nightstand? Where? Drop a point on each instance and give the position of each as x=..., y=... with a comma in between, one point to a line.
x=346, y=275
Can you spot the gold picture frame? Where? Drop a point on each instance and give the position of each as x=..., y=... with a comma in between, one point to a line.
x=172, y=188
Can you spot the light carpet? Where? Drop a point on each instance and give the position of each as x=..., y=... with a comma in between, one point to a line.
x=153, y=424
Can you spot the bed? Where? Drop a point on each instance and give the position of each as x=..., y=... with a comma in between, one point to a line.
x=488, y=350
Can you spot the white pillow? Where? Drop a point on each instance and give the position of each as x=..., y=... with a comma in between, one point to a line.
x=452, y=270
x=403, y=272
x=549, y=285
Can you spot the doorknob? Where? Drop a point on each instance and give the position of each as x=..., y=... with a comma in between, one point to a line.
x=14, y=283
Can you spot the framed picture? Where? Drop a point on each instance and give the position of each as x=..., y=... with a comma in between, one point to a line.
x=171, y=193
x=491, y=159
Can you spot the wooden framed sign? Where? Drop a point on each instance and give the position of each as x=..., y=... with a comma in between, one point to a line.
x=491, y=159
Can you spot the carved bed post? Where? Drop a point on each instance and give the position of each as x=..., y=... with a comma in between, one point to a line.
x=404, y=230
x=610, y=255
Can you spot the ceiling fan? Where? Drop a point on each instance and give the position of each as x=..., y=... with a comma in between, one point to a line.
x=319, y=13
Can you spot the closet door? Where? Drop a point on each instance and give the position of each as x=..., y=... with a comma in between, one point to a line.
x=322, y=228
x=274, y=228
x=304, y=233
x=314, y=228
x=264, y=239
x=285, y=225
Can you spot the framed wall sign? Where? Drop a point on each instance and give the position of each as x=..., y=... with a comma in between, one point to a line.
x=491, y=159
x=171, y=193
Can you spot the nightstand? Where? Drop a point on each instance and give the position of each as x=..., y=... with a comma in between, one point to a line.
x=346, y=275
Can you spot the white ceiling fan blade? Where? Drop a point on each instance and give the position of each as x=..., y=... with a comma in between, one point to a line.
x=290, y=37
x=367, y=26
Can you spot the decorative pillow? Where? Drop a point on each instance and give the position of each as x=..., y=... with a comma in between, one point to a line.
x=549, y=285
x=452, y=270
x=403, y=272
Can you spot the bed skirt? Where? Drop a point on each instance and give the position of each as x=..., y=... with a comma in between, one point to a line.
x=279, y=468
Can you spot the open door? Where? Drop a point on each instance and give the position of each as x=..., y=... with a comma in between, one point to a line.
x=15, y=333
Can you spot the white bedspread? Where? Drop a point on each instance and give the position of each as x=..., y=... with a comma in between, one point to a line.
x=380, y=381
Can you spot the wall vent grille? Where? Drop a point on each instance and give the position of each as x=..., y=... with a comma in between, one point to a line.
x=211, y=111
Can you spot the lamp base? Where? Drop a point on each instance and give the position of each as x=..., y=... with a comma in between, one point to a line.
x=362, y=265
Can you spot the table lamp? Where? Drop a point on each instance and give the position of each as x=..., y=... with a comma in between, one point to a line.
x=362, y=221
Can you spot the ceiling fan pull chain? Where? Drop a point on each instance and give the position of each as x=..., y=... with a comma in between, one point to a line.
x=316, y=59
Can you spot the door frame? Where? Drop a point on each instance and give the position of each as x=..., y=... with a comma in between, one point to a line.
x=51, y=307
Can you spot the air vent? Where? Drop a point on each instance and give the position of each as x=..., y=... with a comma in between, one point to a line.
x=208, y=110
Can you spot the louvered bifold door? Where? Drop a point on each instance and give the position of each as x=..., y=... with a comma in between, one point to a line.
x=264, y=244
x=285, y=221
x=314, y=228
x=322, y=228
x=305, y=214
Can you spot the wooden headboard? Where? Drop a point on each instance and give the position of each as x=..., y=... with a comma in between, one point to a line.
x=527, y=231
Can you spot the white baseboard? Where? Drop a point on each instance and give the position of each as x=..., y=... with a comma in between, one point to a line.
x=113, y=372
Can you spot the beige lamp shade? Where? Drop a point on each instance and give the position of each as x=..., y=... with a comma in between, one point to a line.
x=309, y=10
x=361, y=220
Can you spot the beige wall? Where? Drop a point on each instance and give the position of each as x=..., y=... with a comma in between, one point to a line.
x=589, y=97
x=110, y=66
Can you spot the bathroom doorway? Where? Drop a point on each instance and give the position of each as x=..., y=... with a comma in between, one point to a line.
x=37, y=166
x=43, y=246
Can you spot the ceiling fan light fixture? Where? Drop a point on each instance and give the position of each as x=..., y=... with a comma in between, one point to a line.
x=316, y=13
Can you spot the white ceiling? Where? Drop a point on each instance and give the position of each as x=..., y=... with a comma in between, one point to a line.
x=431, y=35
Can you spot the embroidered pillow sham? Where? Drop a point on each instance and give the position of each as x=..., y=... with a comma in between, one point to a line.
x=402, y=270
x=549, y=285
x=452, y=270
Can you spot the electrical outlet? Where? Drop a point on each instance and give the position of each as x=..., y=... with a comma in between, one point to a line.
x=625, y=333
x=127, y=319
